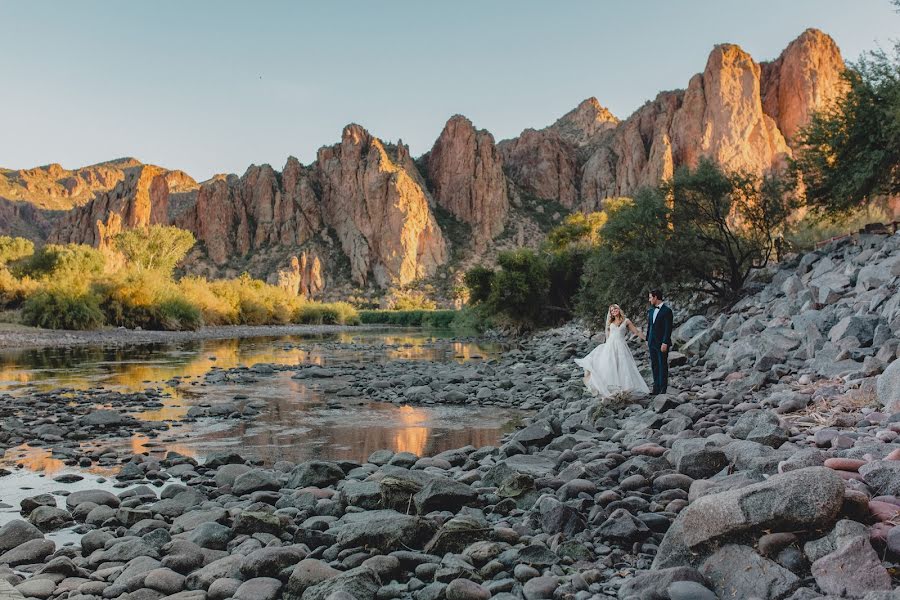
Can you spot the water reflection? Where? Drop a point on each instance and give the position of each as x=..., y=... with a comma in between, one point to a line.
x=297, y=420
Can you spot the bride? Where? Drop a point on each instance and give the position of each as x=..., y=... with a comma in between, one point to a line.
x=610, y=368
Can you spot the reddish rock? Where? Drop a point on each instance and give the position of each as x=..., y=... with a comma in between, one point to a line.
x=375, y=200
x=140, y=199
x=844, y=464
x=466, y=173
x=806, y=77
x=648, y=449
x=883, y=511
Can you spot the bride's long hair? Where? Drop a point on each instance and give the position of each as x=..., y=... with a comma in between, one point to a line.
x=609, y=317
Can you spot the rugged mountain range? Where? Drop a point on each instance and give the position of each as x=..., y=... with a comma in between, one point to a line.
x=365, y=214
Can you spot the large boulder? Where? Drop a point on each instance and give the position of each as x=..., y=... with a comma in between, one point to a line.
x=361, y=583
x=689, y=329
x=443, y=493
x=385, y=530
x=760, y=426
x=889, y=387
x=854, y=327
x=797, y=500
x=315, y=473
x=17, y=532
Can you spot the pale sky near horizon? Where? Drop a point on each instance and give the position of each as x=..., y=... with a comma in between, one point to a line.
x=214, y=86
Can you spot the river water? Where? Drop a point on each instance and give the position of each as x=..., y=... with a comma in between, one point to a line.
x=299, y=420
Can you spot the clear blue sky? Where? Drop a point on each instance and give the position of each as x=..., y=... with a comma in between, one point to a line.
x=213, y=86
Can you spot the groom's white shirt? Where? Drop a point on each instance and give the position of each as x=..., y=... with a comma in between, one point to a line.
x=656, y=311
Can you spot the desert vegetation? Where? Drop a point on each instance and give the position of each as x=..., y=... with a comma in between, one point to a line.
x=76, y=286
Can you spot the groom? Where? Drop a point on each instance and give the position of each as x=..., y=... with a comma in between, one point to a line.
x=659, y=340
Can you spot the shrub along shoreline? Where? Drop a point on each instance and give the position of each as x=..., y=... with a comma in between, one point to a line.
x=78, y=287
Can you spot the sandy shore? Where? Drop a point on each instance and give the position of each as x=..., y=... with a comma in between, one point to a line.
x=17, y=336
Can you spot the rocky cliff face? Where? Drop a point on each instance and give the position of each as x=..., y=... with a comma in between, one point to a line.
x=234, y=215
x=466, y=173
x=139, y=199
x=806, y=76
x=377, y=204
x=737, y=112
x=366, y=213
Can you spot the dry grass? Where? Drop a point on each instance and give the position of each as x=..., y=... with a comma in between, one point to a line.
x=839, y=411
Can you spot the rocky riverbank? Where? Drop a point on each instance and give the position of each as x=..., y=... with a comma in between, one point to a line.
x=20, y=337
x=770, y=470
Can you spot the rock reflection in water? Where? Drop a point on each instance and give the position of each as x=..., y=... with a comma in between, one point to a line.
x=297, y=420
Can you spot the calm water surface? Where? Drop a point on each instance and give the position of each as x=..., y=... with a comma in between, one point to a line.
x=299, y=420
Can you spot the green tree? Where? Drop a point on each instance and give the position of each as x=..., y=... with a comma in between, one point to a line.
x=577, y=229
x=634, y=254
x=724, y=225
x=154, y=248
x=478, y=281
x=519, y=288
x=65, y=261
x=850, y=151
x=14, y=248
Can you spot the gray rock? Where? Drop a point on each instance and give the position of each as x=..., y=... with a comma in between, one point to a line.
x=854, y=327
x=269, y=562
x=103, y=418
x=315, y=473
x=254, y=481
x=17, y=532
x=844, y=532
x=540, y=588
x=760, y=426
x=211, y=535
x=228, y=473
x=702, y=463
x=223, y=588
x=557, y=517
x=307, y=573
x=100, y=497
x=466, y=589
x=851, y=571
x=689, y=329
x=798, y=500
x=621, y=527
x=383, y=529
x=260, y=588
x=883, y=476
x=28, y=553
x=888, y=387
x=361, y=583
x=689, y=590
x=164, y=580
x=443, y=493
x=538, y=434
x=227, y=566
x=737, y=572
x=50, y=518
x=36, y=588
x=29, y=504
x=654, y=585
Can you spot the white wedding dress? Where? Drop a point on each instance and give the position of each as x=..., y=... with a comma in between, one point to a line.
x=610, y=367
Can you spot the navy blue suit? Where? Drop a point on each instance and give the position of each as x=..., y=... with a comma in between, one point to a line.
x=659, y=332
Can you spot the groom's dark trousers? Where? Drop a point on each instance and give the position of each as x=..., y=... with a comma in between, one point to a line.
x=659, y=332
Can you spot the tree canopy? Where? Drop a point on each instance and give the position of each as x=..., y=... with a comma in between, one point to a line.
x=154, y=248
